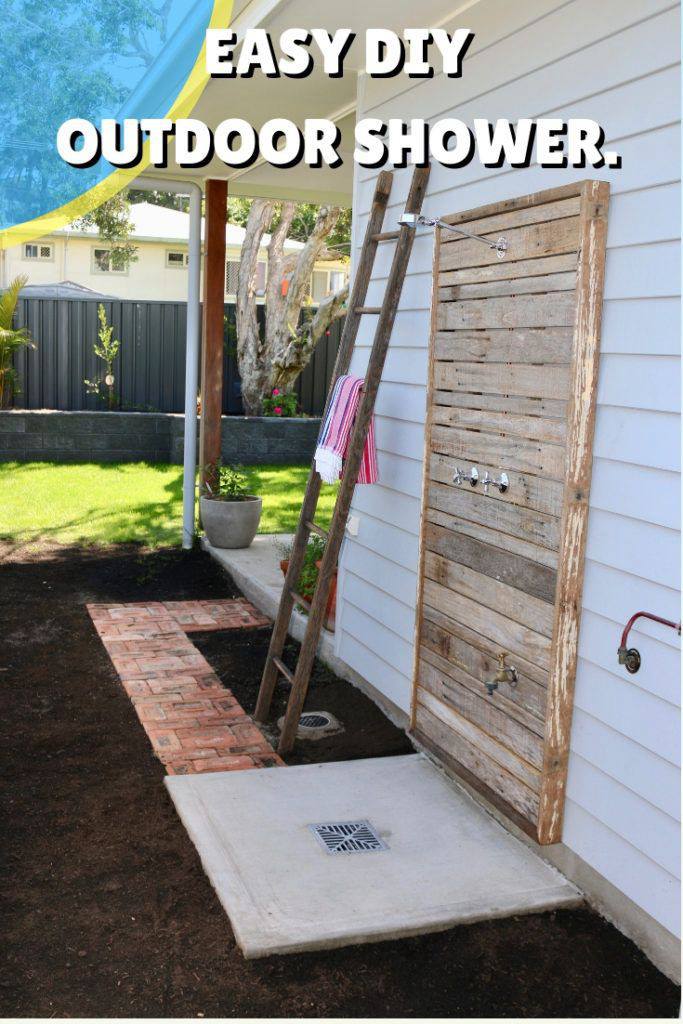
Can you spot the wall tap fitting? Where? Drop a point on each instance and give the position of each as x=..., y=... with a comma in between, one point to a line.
x=460, y=475
x=505, y=674
x=502, y=482
x=630, y=656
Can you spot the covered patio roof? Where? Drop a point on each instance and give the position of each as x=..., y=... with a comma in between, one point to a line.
x=259, y=98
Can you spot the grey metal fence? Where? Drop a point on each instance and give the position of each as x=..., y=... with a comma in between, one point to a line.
x=150, y=367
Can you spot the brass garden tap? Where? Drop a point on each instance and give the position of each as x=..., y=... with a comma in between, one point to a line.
x=505, y=674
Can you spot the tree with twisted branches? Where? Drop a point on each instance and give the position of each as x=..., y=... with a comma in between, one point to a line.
x=275, y=358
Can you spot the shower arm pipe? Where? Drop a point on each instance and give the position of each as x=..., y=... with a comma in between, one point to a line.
x=653, y=618
x=194, y=248
x=500, y=245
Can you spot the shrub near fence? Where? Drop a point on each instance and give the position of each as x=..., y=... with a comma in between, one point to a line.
x=150, y=368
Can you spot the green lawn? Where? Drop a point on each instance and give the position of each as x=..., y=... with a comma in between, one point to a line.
x=111, y=503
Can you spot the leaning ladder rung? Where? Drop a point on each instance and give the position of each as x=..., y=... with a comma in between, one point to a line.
x=386, y=236
x=299, y=599
x=368, y=309
x=283, y=670
x=314, y=528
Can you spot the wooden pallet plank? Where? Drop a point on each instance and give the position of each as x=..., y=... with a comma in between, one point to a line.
x=533, y=428
x=502, y=271
x=483, y=711
x=542, y=198
x=510, y=635
x=521, y=574
x=522, y=345
x=501, y=379
x=552, y=309
x=542, y=213
x=494, y=536
x=477, y=659
x=475, y=446
x=534, y=241
x=516, y=782
x=451, y=629
x=422, y=738
x=524, y=523
x=529, y=491
x=526, y=405
x=513, y=286
x=512, y=602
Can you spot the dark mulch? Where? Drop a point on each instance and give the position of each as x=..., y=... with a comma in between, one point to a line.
x=238, y=661
x=106, y=911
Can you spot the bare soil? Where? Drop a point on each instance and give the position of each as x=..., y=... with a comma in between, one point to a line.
x=106, y=911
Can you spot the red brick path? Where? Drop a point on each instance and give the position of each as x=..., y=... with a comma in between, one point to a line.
x=194, y=723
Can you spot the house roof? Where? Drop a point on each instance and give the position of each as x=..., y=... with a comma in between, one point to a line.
x=61, y=290
x=258, y=99
x=153, y=223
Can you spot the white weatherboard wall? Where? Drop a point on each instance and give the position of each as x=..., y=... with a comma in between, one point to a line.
x=616, y=61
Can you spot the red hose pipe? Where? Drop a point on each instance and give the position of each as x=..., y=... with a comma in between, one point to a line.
x=629, y=656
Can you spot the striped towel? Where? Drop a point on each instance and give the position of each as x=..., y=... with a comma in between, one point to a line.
x=333, y=440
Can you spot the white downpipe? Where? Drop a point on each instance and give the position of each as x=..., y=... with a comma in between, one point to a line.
x=191, y=341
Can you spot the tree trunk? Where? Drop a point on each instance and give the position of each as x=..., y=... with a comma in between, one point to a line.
x=296, y=355
x=252, y=360
x=278, y=358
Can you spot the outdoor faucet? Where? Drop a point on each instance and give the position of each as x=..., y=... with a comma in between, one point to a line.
x=502, y=482
x=505, y=674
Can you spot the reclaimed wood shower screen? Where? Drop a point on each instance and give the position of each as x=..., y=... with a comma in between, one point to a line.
x=512, y=388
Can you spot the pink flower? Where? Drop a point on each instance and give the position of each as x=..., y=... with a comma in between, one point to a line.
x=277, y=410
x=276, y=391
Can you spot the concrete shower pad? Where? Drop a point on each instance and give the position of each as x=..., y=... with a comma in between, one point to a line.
x=447, y=861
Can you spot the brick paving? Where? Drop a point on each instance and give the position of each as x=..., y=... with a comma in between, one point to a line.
x=194, y=724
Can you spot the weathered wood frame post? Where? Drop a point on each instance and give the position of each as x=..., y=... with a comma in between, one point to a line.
x=215, y=219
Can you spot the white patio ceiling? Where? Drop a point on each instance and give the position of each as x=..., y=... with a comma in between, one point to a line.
x=259, y=98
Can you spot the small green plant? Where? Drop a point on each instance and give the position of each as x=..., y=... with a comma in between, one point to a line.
x=308, y=576
x=11, y=340
x=106, y=349
x=229, y=483
x=280, y=404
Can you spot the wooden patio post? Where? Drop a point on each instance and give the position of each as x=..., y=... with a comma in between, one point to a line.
x=215, y=218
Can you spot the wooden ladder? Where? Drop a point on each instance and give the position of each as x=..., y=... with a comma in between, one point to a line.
x=299, y=678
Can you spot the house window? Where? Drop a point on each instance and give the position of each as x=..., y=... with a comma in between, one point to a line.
x=337, y=281
x=176, y=258
x=231, y=272
x=102, y=263
x=38, y=251
x=319, y=285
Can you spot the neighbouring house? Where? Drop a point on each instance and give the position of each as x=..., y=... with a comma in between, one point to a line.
x=74, y=254
x=616, y=62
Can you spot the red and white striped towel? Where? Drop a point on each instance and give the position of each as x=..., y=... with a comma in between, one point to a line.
x=333, y=440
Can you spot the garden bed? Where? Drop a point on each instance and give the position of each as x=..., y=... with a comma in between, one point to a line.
x=107, y=910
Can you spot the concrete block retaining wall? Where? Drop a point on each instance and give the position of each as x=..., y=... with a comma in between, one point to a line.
x=46, y=435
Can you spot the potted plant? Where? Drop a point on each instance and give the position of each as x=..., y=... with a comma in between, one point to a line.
x=230, y=516
x=309, y=577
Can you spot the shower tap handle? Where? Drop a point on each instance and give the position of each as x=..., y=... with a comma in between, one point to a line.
x=502, y=482
x=461, y=475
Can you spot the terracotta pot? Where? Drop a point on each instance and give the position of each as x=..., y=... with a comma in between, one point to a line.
x=331, y=610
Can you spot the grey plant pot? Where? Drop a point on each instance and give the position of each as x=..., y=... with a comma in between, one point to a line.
x=230, y=524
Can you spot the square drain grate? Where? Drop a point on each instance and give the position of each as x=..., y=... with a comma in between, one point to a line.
x=348, y=837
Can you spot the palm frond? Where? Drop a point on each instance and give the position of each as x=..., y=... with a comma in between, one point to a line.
x=9, y=299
